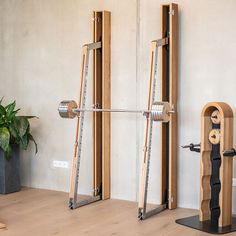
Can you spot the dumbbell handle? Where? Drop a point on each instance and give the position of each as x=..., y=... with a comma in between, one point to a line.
x=196, y=148
x=229, y=153
x=193, y=147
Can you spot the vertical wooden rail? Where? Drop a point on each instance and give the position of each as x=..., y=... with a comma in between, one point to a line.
x=144, y=166
x=226, y=171
x=164, y=97
x=205, y=167
x=173, y=101
x=74, y=179
x=106, y=103
x=169, y=79
x=97, y=101
x=101, y=99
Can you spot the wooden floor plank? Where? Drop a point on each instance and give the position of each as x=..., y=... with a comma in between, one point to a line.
x=43, y=212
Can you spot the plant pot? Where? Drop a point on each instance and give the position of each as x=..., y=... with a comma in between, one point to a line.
x=10, y=172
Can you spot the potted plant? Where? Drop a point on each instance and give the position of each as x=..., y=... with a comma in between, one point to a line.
x=14, y=135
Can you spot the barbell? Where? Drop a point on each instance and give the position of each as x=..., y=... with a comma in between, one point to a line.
x=160, y=111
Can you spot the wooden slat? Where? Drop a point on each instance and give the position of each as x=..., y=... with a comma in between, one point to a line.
x=101, y=96
x=144, y=164
x=173, y=59
x=73, y=190
x=169, y=80
x=97, y=99
x=106, y=103
x=226, y=172
x=205, y=169
x=164, y=97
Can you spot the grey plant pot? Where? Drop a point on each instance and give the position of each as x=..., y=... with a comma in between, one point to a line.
x=10, y=172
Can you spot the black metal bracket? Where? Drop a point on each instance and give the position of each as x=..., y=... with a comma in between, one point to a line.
x=229, y=153
x=193, y=147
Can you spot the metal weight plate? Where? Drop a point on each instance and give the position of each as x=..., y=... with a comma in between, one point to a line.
x=215, y=117
x=160, y=111
x=214, y=136
x=66, y=107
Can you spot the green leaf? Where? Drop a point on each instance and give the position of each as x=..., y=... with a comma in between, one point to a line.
x=10, y=108
x=4, y=138
x=2, y=111
x=21, y=124
x=13, y=130
x=7, y=106
x=12, y=115
x=32, y=139
x=24, y=142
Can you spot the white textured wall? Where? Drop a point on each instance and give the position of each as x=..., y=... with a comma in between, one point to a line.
x=40, y=48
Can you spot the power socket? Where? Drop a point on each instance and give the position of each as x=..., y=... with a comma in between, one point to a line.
x=60, y=164
x=234, y=182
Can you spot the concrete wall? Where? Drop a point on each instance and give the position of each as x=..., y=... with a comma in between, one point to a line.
x=40, y=45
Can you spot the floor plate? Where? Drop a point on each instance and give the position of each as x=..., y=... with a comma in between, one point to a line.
x=206, y=226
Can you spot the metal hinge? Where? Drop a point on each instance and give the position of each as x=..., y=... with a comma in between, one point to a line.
x=96, y=106
x=96, y=19
x=170, y=199
x=96, y=190
x=172, y=12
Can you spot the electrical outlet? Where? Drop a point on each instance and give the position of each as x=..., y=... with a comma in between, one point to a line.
x=234, y=182
x=60, y=164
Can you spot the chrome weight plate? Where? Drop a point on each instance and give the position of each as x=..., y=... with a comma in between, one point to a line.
x=160, y=111
x=66, y=107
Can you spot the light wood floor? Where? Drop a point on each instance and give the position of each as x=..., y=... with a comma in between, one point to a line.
x=41, y=213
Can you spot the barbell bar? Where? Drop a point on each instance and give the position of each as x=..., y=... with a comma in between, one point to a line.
x=160, y=110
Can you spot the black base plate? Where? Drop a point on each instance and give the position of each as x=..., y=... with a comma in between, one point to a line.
x=206, y=226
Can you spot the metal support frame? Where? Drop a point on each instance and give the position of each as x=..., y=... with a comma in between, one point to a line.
x=164, y=111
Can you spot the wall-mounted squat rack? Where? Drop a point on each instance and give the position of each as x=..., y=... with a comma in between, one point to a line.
x=169, y=77
x=101, y=121
x=164, y=111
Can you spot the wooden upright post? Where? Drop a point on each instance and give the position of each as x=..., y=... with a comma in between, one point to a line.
x=101, y=99
x=169, y=79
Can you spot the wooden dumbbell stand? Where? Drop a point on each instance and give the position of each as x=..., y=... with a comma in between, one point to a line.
x=216, y=174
